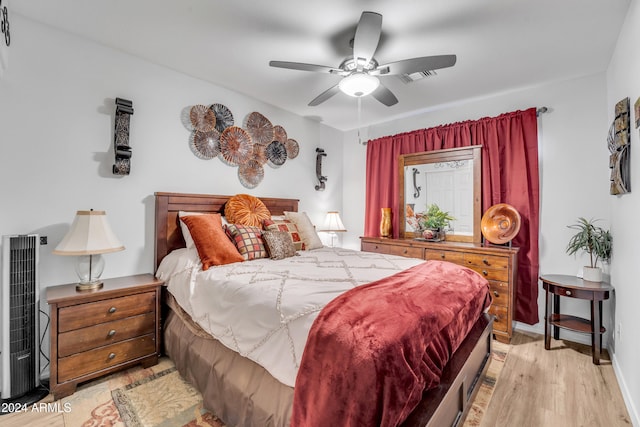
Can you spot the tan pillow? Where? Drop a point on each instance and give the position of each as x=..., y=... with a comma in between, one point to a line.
x=213, y=245
x=306, y=229
x=246, y=210
x=279, y=244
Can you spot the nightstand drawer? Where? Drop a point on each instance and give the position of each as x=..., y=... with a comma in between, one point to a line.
x=103, y=334
x=105, y=357
x=93, y=313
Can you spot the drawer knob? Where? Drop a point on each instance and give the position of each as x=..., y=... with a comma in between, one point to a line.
x=111, y=355
x=568, y=292
x=112, y=310
x=485, y=272
x=485, y=261
x=496, y=294
x=442, y=256
x=406, y=251
x=112, y=332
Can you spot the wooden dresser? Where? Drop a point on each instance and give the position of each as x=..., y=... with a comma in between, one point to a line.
x=497, y=264
x=95, y=333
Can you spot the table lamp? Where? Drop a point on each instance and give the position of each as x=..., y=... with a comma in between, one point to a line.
x=332, y=225
x=89, y=236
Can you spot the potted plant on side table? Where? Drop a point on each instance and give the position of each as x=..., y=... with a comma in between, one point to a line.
x=593, y=240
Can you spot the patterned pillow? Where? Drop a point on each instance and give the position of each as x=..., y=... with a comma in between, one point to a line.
x=307, y=231
x=288, y=226
x=279, y=244
x=246, y=210
x=248, y=240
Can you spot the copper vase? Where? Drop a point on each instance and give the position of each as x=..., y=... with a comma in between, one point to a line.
x=385, y=222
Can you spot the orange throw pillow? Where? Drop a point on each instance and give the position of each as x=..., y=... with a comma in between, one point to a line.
x=212, y=243
x=246, y=210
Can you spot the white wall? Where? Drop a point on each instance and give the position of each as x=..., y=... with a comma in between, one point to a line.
x=623, y=81
x=56, y=135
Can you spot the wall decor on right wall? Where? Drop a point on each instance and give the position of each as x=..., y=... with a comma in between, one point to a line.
x=618, y=142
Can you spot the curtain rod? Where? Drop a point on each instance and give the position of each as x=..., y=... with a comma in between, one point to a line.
x=541, y=110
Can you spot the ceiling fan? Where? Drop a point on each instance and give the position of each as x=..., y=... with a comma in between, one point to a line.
x=360, y=72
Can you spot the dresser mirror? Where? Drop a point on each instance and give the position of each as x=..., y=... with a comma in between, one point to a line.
x=451, y=179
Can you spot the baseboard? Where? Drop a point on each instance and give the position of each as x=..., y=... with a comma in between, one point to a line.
x=631, y=408
x=538, y=328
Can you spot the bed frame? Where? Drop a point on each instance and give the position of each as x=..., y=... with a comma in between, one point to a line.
x=445, y=405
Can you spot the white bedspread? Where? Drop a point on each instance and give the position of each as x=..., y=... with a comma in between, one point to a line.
x=264, y=309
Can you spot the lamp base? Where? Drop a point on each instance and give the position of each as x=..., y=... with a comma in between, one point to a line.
x=89, y=286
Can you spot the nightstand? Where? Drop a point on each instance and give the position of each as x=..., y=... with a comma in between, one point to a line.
x=557, y=285
x=98, y=332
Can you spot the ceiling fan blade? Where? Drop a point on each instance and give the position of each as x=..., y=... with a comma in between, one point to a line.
x=385, y=96
x=413, y=65
x=305, y=67
x=324, y=96
x=367, y=37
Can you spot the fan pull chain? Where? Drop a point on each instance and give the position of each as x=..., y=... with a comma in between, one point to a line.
x=360, y=120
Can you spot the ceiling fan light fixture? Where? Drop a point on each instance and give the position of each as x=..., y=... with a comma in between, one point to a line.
x=359, y=84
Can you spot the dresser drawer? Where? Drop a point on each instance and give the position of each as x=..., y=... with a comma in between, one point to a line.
x=444, y=255
x=499, y=293
x=374, y=247
x=102, y=358
x=485, y=260
x=93, y=313
x=491, y=273
x=80, y=340
x=406, y=251
x=501, y=322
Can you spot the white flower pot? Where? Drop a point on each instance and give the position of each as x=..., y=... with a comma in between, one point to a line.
x=592, y=274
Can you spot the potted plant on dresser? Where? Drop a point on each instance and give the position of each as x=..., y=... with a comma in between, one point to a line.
x=593, y=240
x=433, y=223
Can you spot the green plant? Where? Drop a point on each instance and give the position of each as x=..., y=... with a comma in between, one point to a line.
x=594, y=240
x=435, y=218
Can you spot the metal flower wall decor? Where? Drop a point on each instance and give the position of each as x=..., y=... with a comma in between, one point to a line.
x=248, y=147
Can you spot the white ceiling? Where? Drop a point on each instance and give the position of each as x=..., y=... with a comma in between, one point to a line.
x=500, y=44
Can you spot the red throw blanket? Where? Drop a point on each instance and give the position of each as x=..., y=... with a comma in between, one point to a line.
x=374, y=350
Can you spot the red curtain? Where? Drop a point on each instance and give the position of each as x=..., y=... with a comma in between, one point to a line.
x=509, y=175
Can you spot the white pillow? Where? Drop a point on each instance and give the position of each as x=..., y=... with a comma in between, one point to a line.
x=185, y=230
x=306, y=229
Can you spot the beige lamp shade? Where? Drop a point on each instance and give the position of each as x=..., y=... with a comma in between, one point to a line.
x=332, y=222
x=89, y=234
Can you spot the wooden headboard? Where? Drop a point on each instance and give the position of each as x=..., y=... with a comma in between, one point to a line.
x=168, y=234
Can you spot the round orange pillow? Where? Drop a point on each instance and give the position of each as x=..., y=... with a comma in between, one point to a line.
x=246, y=210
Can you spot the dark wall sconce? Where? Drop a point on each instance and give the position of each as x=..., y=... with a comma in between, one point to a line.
x=121, y=148
x=321, y=179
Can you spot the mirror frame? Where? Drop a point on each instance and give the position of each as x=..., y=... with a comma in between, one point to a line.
x=464, y=153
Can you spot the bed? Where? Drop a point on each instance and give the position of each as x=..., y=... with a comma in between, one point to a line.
x=240, y=391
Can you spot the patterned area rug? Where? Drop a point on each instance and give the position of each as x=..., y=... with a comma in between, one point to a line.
x=159, y=397
x=480, y=404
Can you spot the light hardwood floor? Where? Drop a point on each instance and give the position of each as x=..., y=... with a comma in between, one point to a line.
x=559, y=387
x=537, y=388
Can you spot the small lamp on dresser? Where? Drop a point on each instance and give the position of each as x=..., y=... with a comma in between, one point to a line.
x=89, y=236
x=332, y=225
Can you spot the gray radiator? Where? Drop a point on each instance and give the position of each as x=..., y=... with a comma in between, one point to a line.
x=20, y=305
